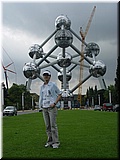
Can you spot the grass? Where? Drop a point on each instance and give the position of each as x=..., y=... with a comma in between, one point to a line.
x=82, y=134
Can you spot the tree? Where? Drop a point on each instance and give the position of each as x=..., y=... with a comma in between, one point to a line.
x=90, y=94
x=5, y=93
x=15, y=97
x=112, y=89
x=15, y=93
x=101, y=94
x=96, y=95
x=117, y=79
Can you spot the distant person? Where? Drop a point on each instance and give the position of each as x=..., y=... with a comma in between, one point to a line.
x=49, y=100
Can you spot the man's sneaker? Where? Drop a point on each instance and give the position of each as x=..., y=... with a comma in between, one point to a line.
x=48, y=145
x=56, y=145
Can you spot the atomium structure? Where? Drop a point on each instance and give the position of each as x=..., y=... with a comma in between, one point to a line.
x=63, y=38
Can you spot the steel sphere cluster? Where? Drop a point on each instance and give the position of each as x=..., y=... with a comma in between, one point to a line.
x=63, y=38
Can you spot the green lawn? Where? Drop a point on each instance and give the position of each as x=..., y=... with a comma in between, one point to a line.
x=82, y=133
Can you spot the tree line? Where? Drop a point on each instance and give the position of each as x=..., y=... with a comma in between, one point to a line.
x=15, y=93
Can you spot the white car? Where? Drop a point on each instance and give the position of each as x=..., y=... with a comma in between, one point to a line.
x=10, y=110
x=116, y=108
x=97, y=108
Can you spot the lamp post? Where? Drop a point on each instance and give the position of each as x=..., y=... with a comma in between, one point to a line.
x=99, y=98
x=2, y=95
x=110, y=96
x=32, y=102
x=92, y=101
x=23, y=101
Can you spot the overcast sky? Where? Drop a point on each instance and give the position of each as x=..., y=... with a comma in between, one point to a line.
x=25, y=24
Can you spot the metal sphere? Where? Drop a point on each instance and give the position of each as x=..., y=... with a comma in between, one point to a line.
x=64, y=61
x=30, y=70
x=63, y=38
x=92, y=48
x=68, y=75
x=62, y=20
x=98, y=69
x=66, y=93
x=36, y=49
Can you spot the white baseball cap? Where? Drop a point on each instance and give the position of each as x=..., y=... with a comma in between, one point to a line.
x=47, y=72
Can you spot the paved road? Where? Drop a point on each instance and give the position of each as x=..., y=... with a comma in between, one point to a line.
x=30, y=111
x=27, y=112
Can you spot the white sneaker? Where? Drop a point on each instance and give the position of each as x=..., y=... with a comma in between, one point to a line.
x=47, y=145
x=56, y=145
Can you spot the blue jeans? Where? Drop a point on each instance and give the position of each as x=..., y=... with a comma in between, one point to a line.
x=50, y=115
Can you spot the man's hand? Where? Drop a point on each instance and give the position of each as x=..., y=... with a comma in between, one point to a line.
x=53, y=105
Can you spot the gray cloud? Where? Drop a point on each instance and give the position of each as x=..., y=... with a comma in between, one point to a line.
x=34, y=17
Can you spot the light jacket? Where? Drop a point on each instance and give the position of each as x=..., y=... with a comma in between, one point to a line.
x=54, y=92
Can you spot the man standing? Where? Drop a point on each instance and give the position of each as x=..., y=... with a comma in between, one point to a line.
x=49, y=100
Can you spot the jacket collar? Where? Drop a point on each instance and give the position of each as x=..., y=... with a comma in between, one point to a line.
x=49, y=83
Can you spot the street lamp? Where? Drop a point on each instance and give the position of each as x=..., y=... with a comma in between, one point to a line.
x=110, y=96
x=23, y=101
x=99, y=98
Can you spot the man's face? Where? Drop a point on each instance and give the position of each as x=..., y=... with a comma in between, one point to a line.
x=46, y=77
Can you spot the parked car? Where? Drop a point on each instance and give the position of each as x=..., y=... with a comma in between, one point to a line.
x=10, y=110
x=66, y=107
x=107, y=106
x=116, y=108
x=97, y=108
